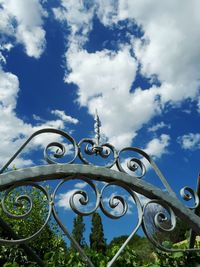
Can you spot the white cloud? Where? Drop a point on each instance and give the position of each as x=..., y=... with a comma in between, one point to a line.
x=26, y=27
x=157, y=146
x=97, y=73
x=37, y=118
x=80, y=185
x=64, y=199
x=66, y=118
x=171, y=51
x=33, y=40
x=190, y=141
x=104, y=79
x=9, y=87
x=158, y=126
x=13, y=130
x=168, y=50
x=78, y=18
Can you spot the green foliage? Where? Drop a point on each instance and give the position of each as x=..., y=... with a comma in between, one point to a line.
x=97, y=240
x=49, y=239
x=9, y=264
x=140, y=245
x=50, y=247
x=178, y=258
x=127, y=258
x=78, y=230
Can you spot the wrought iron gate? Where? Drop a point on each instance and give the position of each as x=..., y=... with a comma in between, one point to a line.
x=124, y=173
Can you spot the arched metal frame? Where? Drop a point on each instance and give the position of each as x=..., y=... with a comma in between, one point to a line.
x=125, y=173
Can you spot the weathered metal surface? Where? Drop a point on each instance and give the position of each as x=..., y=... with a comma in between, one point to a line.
x=127, y=173
x=193, y=234
x=58, y=171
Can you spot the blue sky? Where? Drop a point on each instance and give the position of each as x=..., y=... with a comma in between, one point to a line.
x=137, y=62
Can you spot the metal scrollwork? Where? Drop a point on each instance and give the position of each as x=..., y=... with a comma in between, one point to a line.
x=188, y=194
x=164, y=220
x=114, y=201
x=128, y=167
x=59, y=153
x=60, y=148
x=83, y=198
x=93, y=152
x=18, y=203
x=104, y=151
x=135, y=165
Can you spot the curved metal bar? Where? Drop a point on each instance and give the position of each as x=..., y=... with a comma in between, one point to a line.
x=102, y=174
x=115, y=200
x=94, y=148
x=130, y=183
x=188, y=194
x=9, y=214
x=158, y=219
x=99, y=203
x=141, y=165
x=139, y=222
x=47, y=130
x=103, y=150
x=71, y=238
x=83, y=196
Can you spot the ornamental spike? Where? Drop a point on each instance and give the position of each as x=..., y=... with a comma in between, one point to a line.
x=97, y=126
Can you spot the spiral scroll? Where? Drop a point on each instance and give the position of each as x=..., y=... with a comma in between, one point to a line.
x=188, y=194
x=93, y=152
x=81, y=194
x=23, y=212
x=104, y=151
x=116, y=200
x=164, y=220
x=113, y=202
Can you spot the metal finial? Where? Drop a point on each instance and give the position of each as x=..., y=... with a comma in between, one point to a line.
x=97, y=126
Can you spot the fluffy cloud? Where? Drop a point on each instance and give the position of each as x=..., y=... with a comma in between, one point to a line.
x=78, y=17
x=190, y=141
x=104, y=79
x=66, y=118
x=13, y=130
x=168, y=50
x=63, y=199
x=158, y=126
x=157, y=146
x=25, y=27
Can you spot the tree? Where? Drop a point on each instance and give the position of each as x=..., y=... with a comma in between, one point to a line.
x=140, y=247
x=78, y=230
x=97, y=240
x=48, y=241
